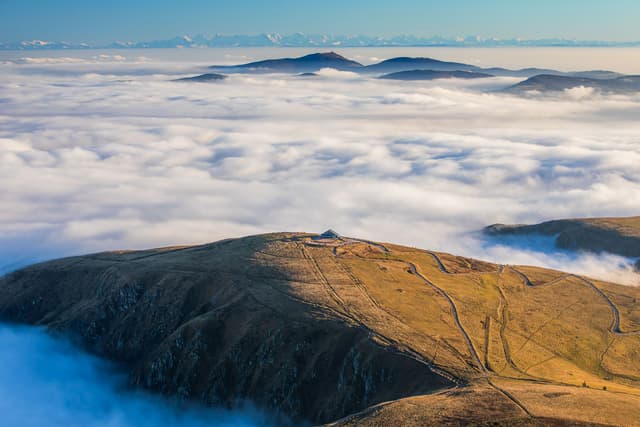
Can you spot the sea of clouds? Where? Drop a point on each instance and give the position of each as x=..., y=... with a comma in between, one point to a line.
x=47, y=382
x=106, y=152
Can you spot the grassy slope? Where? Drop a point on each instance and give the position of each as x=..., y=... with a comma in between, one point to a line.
x=541, y=327
x=629, y=226
x=504, y=403
x=510, y=331
x=619, y=236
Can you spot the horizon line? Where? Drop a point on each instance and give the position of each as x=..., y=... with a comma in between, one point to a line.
x=303, y=40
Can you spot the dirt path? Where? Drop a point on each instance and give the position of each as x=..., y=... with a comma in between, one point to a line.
x=392, y=344
x=454, y=312
x=487, y=338
x=512, y=398
x=504, y=318
x=529, y=284
x=441, y=266
x=614, y=328
x=615, y=325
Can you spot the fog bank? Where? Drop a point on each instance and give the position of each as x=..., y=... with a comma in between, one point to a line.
x=48, y=382
x=105, y=152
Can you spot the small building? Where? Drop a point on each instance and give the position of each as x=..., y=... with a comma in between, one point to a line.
x=329, y=234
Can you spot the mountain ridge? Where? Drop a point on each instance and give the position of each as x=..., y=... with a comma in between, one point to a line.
x=558, y=83
x=323, y=326
x=303, y=64
x=308, y=40
x=614, y=235
x=316, y=61
x=434, y=75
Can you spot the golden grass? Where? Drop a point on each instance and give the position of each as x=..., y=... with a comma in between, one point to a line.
x=591, y=405
x=553, y=328
x=557, y=331
x=628, y=226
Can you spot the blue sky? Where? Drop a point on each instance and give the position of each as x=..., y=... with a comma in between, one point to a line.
x=108, y=20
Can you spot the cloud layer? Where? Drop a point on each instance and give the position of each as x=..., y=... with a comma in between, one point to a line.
x=48, y=382
x=110, y=154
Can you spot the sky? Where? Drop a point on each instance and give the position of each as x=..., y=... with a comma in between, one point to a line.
x=140, y=20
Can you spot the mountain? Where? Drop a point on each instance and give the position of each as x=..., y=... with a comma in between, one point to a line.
x=306, y=40
x=321, y=327
x=499, y=406
x=531, y=72
x=203, y=78
x=434, y=75
x=303, y=64
x=395, y=65
x=556, y=83
x=317, y=61
x=620, y=236
x=43, y=45
x=596, y=74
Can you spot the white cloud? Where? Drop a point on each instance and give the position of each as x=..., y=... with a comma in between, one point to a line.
x=57, y=60
x=48, y=382
x=580, y=92
x=91, y=161
x=332, y=72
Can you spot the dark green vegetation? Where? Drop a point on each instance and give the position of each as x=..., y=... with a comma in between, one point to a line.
x=321, y=328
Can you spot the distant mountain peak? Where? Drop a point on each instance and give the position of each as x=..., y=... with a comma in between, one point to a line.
x=303, y=64
x=309, y=40
x=208, y=77
x=331, y=54
x=559, y=83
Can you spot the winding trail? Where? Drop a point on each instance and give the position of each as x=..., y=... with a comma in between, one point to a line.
x=454, y=312
x=325, y=282
x=615, y=325
x=512, y=398
x=396, y=347
x=504, y=318
x=413, y=269
x=347, y=241
x=614, y=328
x=487, y=338
x=393, y=345
x=441, y=266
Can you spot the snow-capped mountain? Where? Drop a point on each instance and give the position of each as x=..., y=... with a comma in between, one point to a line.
x=305, y=40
